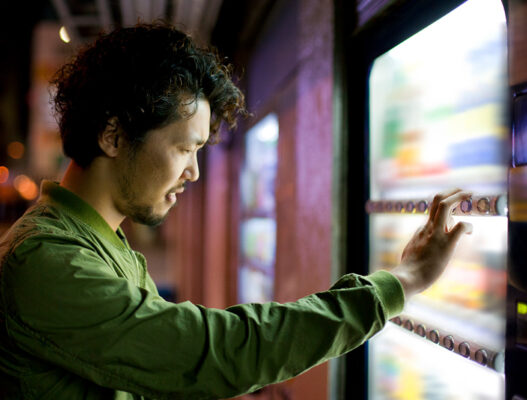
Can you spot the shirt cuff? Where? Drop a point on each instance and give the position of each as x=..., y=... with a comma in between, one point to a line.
x=390, y=291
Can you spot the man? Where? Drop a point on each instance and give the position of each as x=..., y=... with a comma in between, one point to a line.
x=79, y=315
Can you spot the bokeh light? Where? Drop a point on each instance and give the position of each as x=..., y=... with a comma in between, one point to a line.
x=4, y=174
x=16, y=150
x=26, y=187
x=63, y=33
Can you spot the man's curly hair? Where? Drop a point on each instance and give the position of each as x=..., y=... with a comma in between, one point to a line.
x=141, y=76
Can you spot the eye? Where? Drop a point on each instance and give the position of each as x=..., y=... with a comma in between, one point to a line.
x=185, y=150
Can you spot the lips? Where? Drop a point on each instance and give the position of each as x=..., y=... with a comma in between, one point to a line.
x=179, y=189
x=171, y=197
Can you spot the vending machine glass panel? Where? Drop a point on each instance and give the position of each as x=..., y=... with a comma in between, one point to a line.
x=438, y=121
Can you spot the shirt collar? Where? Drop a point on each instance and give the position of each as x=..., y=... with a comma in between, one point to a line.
x=75, y=206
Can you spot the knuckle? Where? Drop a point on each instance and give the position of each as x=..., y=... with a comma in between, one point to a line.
x=442, y=206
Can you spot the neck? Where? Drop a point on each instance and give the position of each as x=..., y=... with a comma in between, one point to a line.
x=93, y=186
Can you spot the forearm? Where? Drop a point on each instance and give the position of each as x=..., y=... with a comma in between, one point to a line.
x=259, y=344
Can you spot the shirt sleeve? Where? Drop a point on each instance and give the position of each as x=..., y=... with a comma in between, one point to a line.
x=65, y=305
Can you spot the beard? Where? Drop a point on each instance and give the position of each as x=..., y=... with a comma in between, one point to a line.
x=130, y=206
x=145, y=215
x=141, y=214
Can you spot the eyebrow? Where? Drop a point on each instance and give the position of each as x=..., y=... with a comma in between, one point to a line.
x=196, y=140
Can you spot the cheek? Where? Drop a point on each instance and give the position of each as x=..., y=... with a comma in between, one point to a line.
x=151, y=171
x=168, y=170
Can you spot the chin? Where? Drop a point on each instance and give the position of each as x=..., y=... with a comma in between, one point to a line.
x=146, y=216
x=153, y=220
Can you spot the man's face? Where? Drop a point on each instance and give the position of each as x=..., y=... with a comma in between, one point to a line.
x=149, y=178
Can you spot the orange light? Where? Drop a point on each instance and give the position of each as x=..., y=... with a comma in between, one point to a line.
x=26, y=187
x=4, y=174
x=15, y=150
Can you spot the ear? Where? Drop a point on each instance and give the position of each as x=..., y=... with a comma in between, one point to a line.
x=111, y=138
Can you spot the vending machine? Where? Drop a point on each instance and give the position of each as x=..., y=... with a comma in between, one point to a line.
x=438, y=119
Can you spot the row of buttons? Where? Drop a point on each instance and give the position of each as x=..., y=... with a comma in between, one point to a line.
x=482, y=205
x=482, y=356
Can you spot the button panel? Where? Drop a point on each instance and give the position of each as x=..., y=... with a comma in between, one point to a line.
x=476, y=205
x=408, y=324
x=464, y=349
x=420, y=330
x=433, y=335
x=458, y=345
x=481, y=357
x=448, y=342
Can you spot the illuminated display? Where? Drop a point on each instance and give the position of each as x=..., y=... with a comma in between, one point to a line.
x=437, y=107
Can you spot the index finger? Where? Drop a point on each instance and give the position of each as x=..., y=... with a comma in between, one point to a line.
x=445, y=207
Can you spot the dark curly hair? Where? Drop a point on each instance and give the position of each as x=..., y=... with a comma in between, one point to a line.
x=140, y=76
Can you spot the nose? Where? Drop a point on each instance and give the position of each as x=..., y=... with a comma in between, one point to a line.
x=191, y=172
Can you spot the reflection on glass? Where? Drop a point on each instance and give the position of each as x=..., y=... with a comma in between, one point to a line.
x=258, y=224
x=259, y=172
x=254, y=286
x=258, y=242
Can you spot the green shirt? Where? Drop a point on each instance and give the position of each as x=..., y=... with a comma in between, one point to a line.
x=80, y=318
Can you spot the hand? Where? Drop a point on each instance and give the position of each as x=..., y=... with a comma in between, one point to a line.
x=428, y=252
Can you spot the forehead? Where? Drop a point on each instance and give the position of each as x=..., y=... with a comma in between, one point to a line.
x=192, y=128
